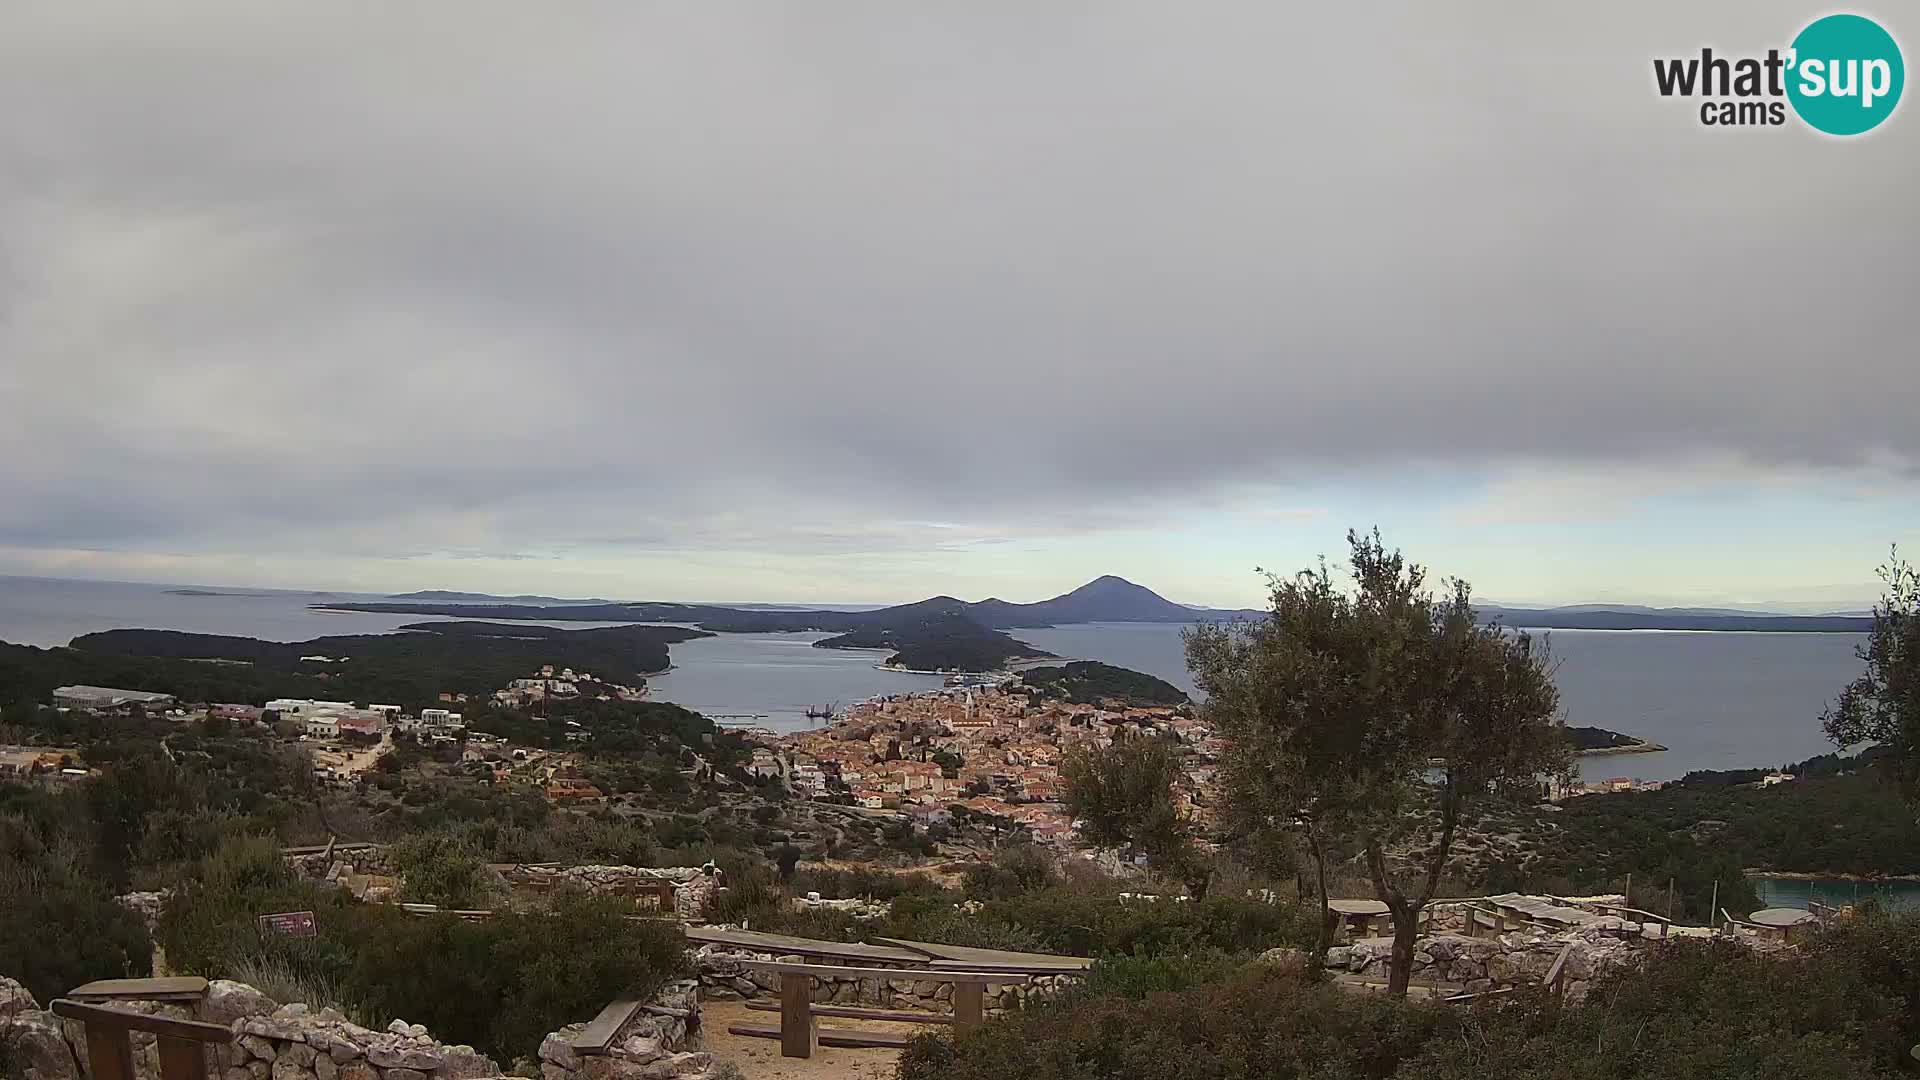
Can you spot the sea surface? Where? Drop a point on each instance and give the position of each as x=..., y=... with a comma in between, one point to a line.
x=1717, y=700
x=1834, y=892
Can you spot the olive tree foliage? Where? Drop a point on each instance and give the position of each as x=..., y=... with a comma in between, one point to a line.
x=1883, y=705
x=1123, y=796
x=1375, y=716
x=1292, y=718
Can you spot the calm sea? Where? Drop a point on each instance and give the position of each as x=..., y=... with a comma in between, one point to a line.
x=1716, y=700
x=1835, y=892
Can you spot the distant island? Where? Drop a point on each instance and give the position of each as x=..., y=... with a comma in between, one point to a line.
x=944, y=633
x=444, y=596
x=1595, y=741
x=939, y=640
x=1104, y=599
x=1089, y=682
x=408, y=669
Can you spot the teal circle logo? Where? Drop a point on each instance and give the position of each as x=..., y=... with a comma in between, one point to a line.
x=1846, y=74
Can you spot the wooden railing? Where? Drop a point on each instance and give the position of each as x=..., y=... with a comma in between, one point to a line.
x=182, y=1043
x=799, y=1033
x=1557, y=974
x=1644, y=916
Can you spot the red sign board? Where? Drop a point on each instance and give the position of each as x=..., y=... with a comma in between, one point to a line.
x=289, y=924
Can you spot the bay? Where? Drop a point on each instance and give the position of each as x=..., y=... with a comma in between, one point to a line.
x=1717, y=700
x=1834, y=892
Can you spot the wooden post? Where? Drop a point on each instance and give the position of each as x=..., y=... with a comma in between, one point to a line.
x=1629, y=888
x=799, y=1031
x=110, y=1049
x=969, y=1005
x=1714, y=906
x=109, y=1052
x=182, y=1059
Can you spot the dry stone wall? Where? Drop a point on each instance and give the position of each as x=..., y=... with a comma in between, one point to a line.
x=649, y=1046
x=693, y=887
x=271, y=1041
x=1491, y=963
x=295, y=1042
x=725, y=975
x=368, y=872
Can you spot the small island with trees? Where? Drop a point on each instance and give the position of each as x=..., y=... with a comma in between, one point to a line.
x=1594, y=741
x=1089, y=682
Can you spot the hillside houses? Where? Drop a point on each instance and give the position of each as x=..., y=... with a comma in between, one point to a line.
x=1008, y=749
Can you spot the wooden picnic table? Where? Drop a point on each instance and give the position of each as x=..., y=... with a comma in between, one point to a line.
x=799, y=1032
x=967, y=958
x=778, y=944
x=1788, y=922
x=1360, y=917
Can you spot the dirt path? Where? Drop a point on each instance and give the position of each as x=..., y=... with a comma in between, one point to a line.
x=759, y=1059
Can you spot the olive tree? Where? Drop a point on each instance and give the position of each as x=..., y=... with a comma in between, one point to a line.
x=1289, y=716
x=1882, y=706
x=1123, y=796
x=1377, y=716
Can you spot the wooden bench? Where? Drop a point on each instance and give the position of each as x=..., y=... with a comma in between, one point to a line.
x=182, y=1043
x=898, y=1016
x=799, y=1032
x=594, y=1039
x=175, y=988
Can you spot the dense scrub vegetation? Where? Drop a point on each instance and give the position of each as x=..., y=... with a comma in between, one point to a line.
x=1840, y=825
x=1844, y=1007
x=1089, y=682
x=408, y=669
x=1023, y=900
x=499, y=984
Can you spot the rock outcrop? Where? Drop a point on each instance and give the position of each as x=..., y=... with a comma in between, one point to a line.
x=32, y=1044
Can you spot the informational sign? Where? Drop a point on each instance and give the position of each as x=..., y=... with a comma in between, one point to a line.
x=289, y=924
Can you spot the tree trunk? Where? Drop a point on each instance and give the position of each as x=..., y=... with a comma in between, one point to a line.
x=1324, y=940
x=1406, y=919
x=1400, y=968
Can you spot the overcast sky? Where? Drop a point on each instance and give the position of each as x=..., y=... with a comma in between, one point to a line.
x=866, y=301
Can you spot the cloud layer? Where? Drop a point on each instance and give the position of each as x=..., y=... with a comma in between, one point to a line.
x=470, y=278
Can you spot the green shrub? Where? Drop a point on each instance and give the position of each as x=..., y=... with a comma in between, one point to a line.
x=1698, y=1010
x=439, y=868
x=503, y=983
x=1139, y=976
x=60, y=928
x=1085, y=923
x=499, y=984
x=877, y=884
x=1014, y=871
x=1257, y=1025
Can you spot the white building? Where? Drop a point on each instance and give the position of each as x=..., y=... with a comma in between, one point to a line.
x=304, y=707
x=106, y=697
x=322, y=726
x=440, y=720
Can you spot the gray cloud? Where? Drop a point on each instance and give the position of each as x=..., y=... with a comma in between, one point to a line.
x=483, y=277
